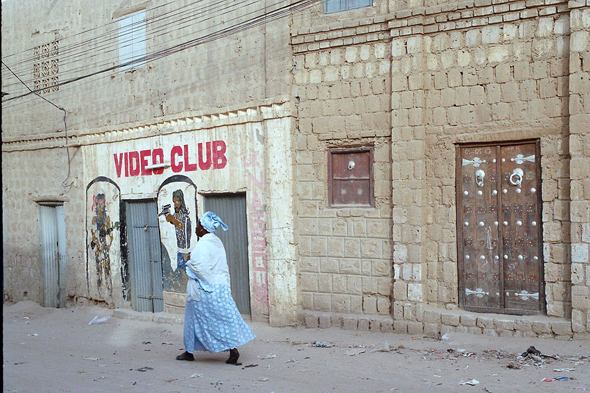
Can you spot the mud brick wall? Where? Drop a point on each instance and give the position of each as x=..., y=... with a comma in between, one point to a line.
x=342, y=95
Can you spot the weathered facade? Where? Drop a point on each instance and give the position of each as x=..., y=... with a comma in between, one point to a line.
x=415, y=166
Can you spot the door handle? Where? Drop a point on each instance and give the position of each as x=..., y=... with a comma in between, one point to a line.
x=516, y=177
x=479, y=175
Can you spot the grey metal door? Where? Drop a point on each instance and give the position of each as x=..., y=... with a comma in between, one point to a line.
x=52, y=250
x=145, y=256
x=231, y=208
x=499, y=228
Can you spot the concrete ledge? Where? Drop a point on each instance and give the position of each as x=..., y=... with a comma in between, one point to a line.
x=437, y=322
x=369, y=323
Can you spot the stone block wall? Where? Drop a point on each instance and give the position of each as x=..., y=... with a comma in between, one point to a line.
x=342, y=92
x=579, y=144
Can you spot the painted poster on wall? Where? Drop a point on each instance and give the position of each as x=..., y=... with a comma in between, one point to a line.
x=103, y=241
x=177, y=214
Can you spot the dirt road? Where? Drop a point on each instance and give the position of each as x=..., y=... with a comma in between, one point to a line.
x=56, y=350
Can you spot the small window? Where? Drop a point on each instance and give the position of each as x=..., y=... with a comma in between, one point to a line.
x=351, y=177
x=343, y=5
x=132, y=41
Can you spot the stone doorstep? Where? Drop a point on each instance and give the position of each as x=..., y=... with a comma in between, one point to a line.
x=437, y=322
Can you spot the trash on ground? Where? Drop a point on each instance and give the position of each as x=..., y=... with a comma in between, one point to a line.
x=196, y=375
x=269, y=357
x=471, y=382
x=445, y=337
x=554, y=379
x=561, y=370
x=263, y=379
x=33, y=335
x=250, y=365
x=93, y=359
x=384, y=348
x=354, y=351
x=99, y=320
x=144, y=369
x=146, y=342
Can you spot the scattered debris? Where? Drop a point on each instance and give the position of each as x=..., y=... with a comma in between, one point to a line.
x=555, y=379
x=471, y=382
x=93, y=359
x=354, y=351
x=146, y=342
x=33, y=335
x=513, y=365
x=269, y=357
x=320, y=344
x=144, y=369
x=384, y=348
x=263, y=379
x=99, y=320
x=196, y=375
x=561, y=370
x=250, y=365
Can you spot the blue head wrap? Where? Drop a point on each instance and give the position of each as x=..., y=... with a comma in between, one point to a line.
x=211, y=222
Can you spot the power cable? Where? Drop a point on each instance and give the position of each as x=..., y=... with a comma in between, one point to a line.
x=238, y=27
x=65, y=125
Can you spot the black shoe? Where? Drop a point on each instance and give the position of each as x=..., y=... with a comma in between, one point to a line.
x=186, y=356
x=234, y=355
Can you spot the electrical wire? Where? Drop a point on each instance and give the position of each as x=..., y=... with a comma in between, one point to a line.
x=65, y=126
x=254, y=21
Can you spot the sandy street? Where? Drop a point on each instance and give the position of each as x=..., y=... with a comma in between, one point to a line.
x=56, y=350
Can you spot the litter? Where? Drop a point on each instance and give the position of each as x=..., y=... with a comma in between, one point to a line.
x=33, y=335
x=250, y=365
x=354, y=351
x=93, y=359
x=263, y=379
x=99, y=320
x=555, y=379
x=384, y=348
x=320, y=344
x=445, y=336
x=144, y=369
x=559, y=370
x=196, y=375
x=269, y=357
x=471, y=382
x=146, y=342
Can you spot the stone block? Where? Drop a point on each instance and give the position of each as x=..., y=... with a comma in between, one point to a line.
x=541, y=327
x=475, y=330
x=490, y=332
x=336, y=320
x=562, y=328
x=325, y=322
x=504, y=324
x=415, y=328
x=485, y=322
x=374, y=325
x=400, y=326
x=432, y=317
x=363, y=324
x=387, y=326
x=431, y=329
x=450, y=319
x=468, y=320
x=312, y=321
x=349, y=323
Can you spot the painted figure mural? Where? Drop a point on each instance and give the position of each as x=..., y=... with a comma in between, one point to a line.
x=182, y=223
x=102, y=239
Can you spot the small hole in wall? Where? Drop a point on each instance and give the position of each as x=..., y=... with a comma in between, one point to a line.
x=25, y=293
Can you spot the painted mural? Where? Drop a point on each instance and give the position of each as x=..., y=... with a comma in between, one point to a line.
x=177, y=208
x=103, y=239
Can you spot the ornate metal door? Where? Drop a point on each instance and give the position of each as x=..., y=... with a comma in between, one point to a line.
x=498, y=228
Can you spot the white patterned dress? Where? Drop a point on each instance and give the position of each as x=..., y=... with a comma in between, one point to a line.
x=212, y=321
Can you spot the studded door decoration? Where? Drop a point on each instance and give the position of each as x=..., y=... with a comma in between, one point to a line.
x=498, y=212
